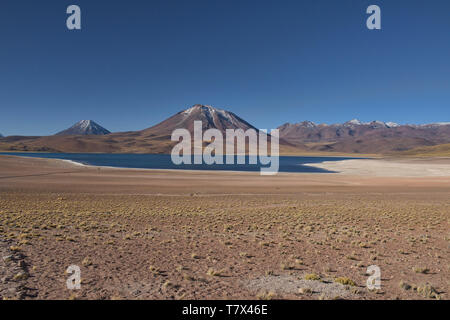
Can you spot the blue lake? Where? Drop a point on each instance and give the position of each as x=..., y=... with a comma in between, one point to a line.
x=163, y=161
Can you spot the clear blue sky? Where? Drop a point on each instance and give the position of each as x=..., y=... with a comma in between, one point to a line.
x=134, y=63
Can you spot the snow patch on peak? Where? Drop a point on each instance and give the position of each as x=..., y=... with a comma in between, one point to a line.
x=354, y=122
x=203, y=108
x=308, y=124
x=377, y=123
x=84, y=124
x=441, y=124
x=215, y=115
x=432, y=125
x=208, y=110
x=392, y=125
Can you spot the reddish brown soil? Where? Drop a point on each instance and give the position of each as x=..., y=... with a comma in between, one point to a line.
x=141, y=234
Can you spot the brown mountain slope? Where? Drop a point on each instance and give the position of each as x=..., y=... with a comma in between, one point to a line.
x=371, y=145
x=156, y=139
x=352, y=137
x=356, y=137
x=442, y=150
x=124, y=142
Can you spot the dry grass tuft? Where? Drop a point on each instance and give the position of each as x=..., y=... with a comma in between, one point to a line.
x=312, y=276
x=345, y=281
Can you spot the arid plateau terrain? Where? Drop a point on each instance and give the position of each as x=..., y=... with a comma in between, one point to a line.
x=155, y=234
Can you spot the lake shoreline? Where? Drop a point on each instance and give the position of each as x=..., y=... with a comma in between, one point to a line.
x=287, y=164
x=387, y=167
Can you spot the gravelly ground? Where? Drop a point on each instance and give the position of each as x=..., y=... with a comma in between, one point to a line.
x=183, y=235
x=13, y=272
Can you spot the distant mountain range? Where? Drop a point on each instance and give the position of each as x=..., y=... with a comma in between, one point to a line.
x=84, y=127
x=357, y=137
x=353, y=136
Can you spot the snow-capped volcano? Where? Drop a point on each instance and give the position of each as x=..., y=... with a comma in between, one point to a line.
x=211, y=118
x=84, y=127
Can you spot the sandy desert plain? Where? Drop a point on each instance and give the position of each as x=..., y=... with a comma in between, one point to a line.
x=155, y=234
